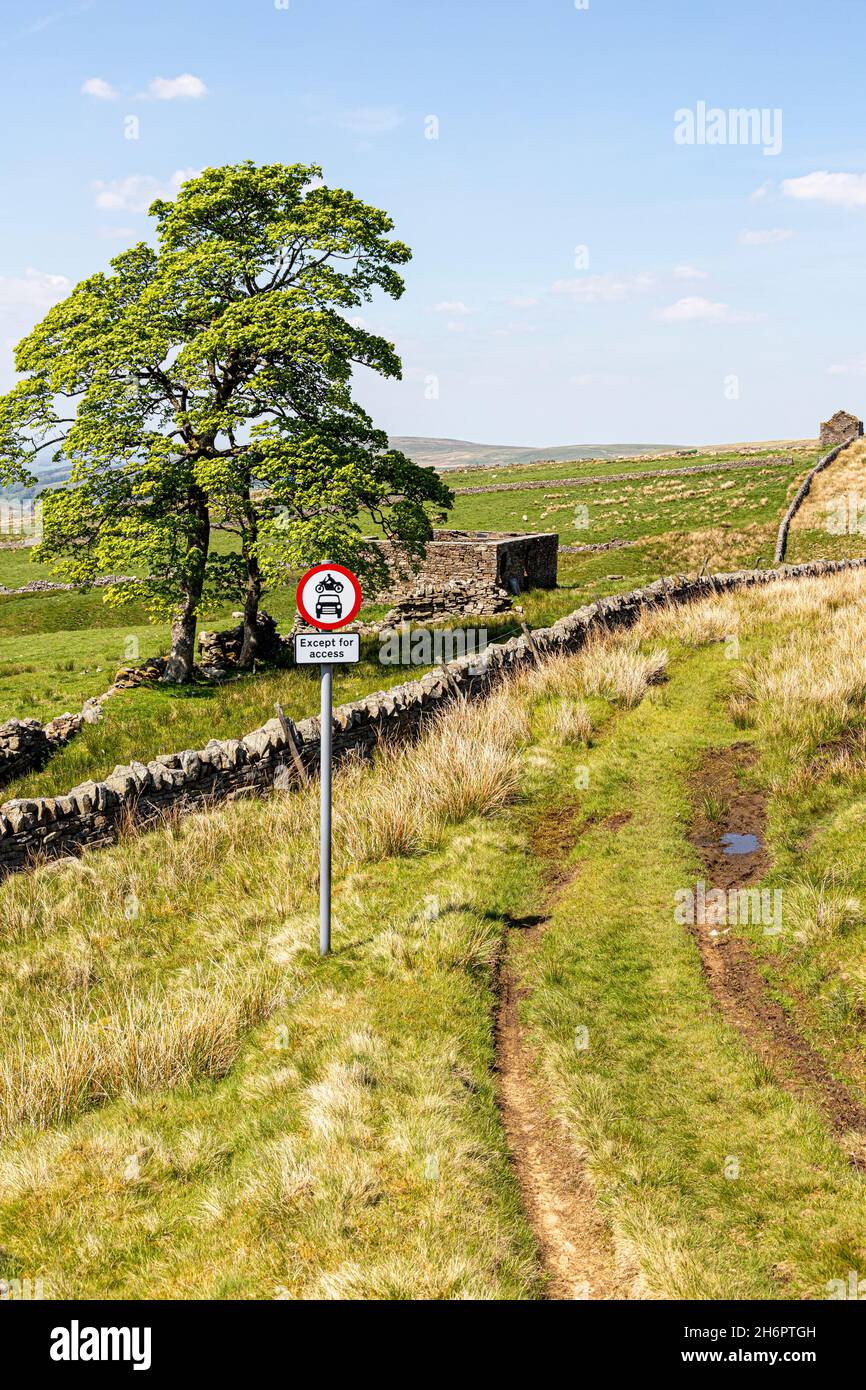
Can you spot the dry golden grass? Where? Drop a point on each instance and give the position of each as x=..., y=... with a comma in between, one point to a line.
x=464, y=765
x=819, y=907
x=612, y=666
x=146, y=1044
x=571, y=723
x=811, y=687
x=617, y=669
x=695, y=624
x=843, y=483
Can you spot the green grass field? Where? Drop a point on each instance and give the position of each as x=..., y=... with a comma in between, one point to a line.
x=202, y=1108
x=589, y=468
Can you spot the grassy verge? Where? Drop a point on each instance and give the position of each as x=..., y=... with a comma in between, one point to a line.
x=321, y=1129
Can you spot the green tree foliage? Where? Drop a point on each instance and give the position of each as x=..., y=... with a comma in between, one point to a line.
x=207, y=382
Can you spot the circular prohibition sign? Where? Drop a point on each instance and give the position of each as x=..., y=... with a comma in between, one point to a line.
x=328, y=597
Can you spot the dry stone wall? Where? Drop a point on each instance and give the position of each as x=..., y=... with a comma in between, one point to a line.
x=428, y=603
x=26, y=744
x=47, y=586
x=802, y=493
x=91, y=814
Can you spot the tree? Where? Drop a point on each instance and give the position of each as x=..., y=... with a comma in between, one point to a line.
x=205, y=384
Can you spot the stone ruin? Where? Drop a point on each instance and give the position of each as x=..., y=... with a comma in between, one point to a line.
x=507, y=560
x=839, y=429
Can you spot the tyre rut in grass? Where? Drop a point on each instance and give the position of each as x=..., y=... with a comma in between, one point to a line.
x=725, y=805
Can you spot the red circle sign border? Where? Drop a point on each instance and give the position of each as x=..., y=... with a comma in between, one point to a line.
x=317, y=622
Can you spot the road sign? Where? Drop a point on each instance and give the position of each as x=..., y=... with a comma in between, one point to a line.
x=314, y=648
x=328, y=597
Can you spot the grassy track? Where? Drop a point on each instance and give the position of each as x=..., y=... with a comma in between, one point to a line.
x=717, y=1182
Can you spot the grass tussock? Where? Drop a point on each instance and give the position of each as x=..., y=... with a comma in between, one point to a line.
x=620, y=671
x=612, y=666
x=821, y=906
x=810, y=688
x=148, y=1044
x=694, y=624
x=571, y=723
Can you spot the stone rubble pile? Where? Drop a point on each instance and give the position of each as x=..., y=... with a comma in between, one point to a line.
x=428, y=602
x=219, y=651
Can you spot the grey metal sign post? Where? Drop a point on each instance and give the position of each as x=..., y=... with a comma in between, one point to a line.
x=326, y=729
x=322, y=605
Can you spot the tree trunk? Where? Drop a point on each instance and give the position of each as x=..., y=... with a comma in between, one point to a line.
x=179, y=667
x=181, y=659
x=250, y=645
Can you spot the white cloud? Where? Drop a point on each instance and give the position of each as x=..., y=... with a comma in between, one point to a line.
x=689, y=272
x=451, y=306
x=183, y=88
x=842, y=190
x=856, y=367
x=35, y=289
x=138, y=191
x=24, y=300
x=769, y=236
x=522, y=301
x=99, y=88
x=693, y=309
x=605, y=289
x=761, y=193
x=369, y=120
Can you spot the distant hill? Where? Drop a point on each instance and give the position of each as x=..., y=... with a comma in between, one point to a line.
x=433, y=453
x=445, y=454
x=461, y=453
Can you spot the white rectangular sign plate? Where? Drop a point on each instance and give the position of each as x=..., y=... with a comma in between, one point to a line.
x=317, y=648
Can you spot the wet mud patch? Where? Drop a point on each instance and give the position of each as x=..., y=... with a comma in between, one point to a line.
x=728, y=811
x=729, y=815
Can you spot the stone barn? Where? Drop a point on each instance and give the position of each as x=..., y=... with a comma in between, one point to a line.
x=509, y=560
x=839, y=429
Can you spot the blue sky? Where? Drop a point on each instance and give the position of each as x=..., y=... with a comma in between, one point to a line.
x=717, y=295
